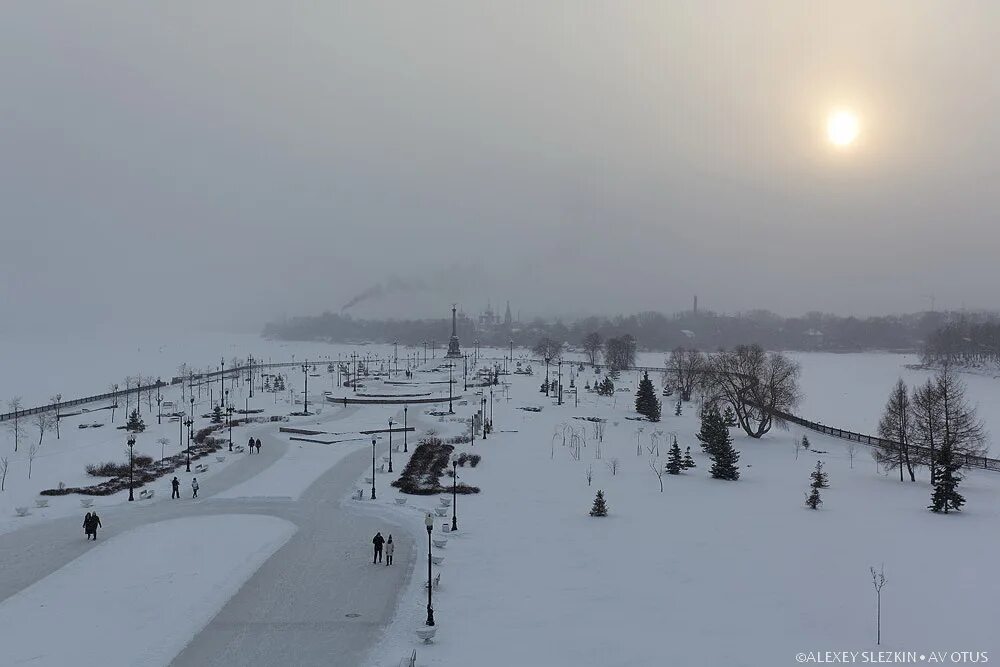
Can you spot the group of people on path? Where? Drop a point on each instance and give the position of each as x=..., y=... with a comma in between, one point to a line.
x=91, y=523
x=254, y=443
x=175, y=485
x=382, y=544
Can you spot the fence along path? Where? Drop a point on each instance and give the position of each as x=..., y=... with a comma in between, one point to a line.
x=135, y=390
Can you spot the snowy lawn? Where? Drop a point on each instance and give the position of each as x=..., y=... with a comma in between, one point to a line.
x=138, y=598
x=706, y=572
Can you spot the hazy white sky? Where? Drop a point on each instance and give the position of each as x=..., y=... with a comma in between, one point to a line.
x=222, y=163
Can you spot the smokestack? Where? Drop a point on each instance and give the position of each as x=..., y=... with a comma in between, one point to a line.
x=695, y=309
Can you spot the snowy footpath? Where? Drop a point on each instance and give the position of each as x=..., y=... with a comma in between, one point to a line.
x=137, y=598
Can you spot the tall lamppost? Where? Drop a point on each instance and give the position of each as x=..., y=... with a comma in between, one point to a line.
x=465, y=371
x=159, y=400
x=250, y=374
x=425, y=352
x=512, y=353
x=189, y=422
x=546, y=375
x=131, y=458
x=450, y=410
x=405, y=407
x=491, y=408
x=373, y=467
x=484, y=415
x=454, y=493
x=222, y=379
x=559, y=392
x=390, y=444
x=429, y=523
x=305, y=394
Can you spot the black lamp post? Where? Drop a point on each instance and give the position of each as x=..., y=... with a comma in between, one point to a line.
x=484, y=415
x=189, y=423
x=305, y=393
x=450, y=410
x=159, y=400
x=454, y=494
x=390, y=444
x=546, y=376
x=222, y=379
x=425, y=352
x=131, y=458
x=373, y=467
x=465, y=371
x=491, y=408
x=429, y=523
x=559, y=391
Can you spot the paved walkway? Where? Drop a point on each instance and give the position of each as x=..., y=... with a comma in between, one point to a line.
x=295, y=609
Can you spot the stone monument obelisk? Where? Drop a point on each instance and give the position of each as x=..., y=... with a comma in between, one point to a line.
x=453, y=349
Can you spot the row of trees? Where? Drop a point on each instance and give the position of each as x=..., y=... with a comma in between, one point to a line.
x=965, y=342
x=618, y=352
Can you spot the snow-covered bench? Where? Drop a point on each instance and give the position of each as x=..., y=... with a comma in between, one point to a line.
x=21, y=511
x=427, y=633
x=400, y=501
x=437, y=560
x=41, y=502
x=444, y=502
x=146, y=494
x=437, y=582
x=409, y=660
x=441, y=511
x=201, y=467
x=220, y=459
x=86, y=502
x=440, y=542
x=239, y=448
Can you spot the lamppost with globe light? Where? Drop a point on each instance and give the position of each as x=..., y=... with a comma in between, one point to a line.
x=373, y=467
x=454, y=494
x=546, y=375
x=429, y=523
x=229, y=415
x=483, y=403
x=405, y=410
x=390, y=444
x=131, y=459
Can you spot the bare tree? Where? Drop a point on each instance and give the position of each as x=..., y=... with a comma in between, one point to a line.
x=658, y=470
x=619, y=353
x=896, y=429
x=590, y=474
x=546, y=348
x=43, y=423
x=113, y=388
x=878, y=581
x=924, y=405
x=592, y=345
x=182, y=371
x=686, y=369
x=852, y=450
x=15, y=426
x=961, y=428
x=163, y=442
x=612, y=466
x=758, y=385
x=4, y=464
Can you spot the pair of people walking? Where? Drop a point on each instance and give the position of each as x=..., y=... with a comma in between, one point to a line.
x=91, y=523
x=382, y=544
x=253, y=443
x=175, y=485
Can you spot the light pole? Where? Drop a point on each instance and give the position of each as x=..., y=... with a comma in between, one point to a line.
x=131, y=458
x=425, y=352
x=390, y=444
x=188, y=423
x=465, y=371
x=491, y=408
x=429, y=523
x=373, y=467
x=405, y=407
x=159, y=400
x=229, y=414
x=546, y=375
x=559, y=394
x=484, y=415
x=305, y=393
x=454, y=494
x=512, y=354
x=450, y=410
x=222, y=379
x=250, y=374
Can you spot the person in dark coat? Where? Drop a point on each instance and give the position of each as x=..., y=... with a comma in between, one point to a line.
x=378, y=541
x=90, y=525
x=250, y=445
x=194, y=487
x=175, y=483
x=389, y=548
x=258, y=445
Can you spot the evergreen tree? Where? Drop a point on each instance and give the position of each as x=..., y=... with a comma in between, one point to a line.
x=646, y=403
x=713, y=430
x=946, y=478
x=675, y=464
x=600, y=508
x=677, y=411
x=544, y=387
x=135, y=423
x=217, y=415
x=813, y=501
x=688, y=461
x=724, y=456
x=729, y=416
x=805, y=442
x=819, y=478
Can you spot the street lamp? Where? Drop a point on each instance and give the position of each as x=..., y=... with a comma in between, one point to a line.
x=159, y=399
x=450, y=410
x=189, y=422
x=484, y=415
x=222, y=379
x=465, y=371
x=559, y=394
x=131, y=458
x=429, y=523
x=305, y=393
x=373, y=467
x=546, y=375
x=491, y=408
x=390, y=444
x=229, y=414
x=454, y=493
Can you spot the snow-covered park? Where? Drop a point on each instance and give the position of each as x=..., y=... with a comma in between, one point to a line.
x=271, y=562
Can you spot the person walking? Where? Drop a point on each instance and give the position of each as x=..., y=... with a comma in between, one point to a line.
x=176, y=485
x=258, y=445
x=194, y=487
x=91, y=523
x=86, y=526
x=378, y=541
x=389, y=548
x=250, y=445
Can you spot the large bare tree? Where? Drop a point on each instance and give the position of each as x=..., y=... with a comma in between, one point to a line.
x=15, y=425
x=686, y=368
x=547, y=348
x=592, y=345
x=757, y=384
x=961, y=428
x=897, y=426
x=619, y=353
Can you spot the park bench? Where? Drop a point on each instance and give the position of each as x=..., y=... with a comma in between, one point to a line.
x=400, y=501
x=41, y=502
x=146, y=494
x=220, y=459
x=437, y=560
x=441, y=511
x=440, y=542
x=409, y=660
x=21, y=511
x=201, y=467
x=86, y=502
x=426, y=633
x=444, y=501
x=239, y=448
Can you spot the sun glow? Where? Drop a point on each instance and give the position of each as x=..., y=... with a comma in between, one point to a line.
x=842, y=128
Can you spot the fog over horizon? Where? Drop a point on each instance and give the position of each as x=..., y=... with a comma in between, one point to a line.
x=220, y=165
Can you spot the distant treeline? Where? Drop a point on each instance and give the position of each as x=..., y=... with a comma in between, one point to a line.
x=969, y=340
x=652, y=331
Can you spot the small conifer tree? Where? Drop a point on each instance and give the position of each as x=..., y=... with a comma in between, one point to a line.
x=646, y=403
x=600, y=508
x=813, y=501
x=820, y=479
x=135, y=423
x=677, y=410
x=724, y=457
x=217, y=415
x=675, y=462
x=688, y=461
x=945, y=481
x=729, y=416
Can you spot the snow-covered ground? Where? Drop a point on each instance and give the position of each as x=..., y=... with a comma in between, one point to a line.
x=137, y=598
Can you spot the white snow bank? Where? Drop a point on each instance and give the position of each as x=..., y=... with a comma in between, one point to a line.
x=140, y=597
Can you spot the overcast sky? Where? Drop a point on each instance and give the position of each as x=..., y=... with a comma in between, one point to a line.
x=223, y=163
